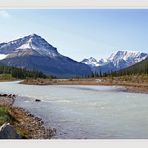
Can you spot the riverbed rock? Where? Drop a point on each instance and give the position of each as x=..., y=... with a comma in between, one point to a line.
x=3, y=95
x=7, y=131
x=37, y=100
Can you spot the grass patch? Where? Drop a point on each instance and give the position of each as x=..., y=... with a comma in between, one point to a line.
x=5, y=77
x=4, y=115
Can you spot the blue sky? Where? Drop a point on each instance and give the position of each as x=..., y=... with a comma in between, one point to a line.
x=80, y=33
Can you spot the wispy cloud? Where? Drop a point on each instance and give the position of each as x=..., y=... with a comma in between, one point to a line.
x=4, y=14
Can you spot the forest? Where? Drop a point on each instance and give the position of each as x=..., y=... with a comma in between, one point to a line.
x=7, y=72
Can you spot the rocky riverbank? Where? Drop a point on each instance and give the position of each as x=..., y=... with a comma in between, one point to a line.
x=26, y=124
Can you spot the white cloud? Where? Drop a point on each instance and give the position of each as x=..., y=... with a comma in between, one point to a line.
x=4, y=14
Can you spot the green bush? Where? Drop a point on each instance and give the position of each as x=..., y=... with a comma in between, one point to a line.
x=4, y=115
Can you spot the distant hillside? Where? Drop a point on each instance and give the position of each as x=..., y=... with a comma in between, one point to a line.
x=138, y=68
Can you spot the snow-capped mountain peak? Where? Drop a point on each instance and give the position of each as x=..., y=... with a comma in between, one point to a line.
x=122, y=55
x=118, y=60
x=29, y=44
x=90, y=61
x=34, y=35
x=128, y=57
x=39, y=45
x=102, y=61
x=93, y=62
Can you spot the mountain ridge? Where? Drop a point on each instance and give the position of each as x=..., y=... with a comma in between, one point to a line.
x=116, y=61
x=35, y=53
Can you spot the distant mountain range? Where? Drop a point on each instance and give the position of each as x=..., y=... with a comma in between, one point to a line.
x=35, y=53
x=116, y=61
x=32, y=52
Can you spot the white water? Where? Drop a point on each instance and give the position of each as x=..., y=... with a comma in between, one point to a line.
x=85, y=111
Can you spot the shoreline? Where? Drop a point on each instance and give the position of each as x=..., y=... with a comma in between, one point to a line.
x=129, y=86
x=25, y=123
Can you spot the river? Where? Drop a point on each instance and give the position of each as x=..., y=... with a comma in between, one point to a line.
x=85, y=112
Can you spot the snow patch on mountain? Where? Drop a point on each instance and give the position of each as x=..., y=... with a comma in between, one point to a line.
x=3, y=56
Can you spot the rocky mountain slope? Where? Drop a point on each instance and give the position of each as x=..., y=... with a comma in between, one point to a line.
x=35, y=53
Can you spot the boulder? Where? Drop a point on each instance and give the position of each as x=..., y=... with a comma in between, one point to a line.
x=37, y=100
x=7, y=131
x=3, y=95
x=13, y=95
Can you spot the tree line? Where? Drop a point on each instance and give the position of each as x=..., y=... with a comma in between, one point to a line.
x=21, y=73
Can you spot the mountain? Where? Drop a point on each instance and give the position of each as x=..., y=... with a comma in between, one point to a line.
x=35, y=53
x=138, y=68
x=123, y=59
x=116, y=61
x=92, y=62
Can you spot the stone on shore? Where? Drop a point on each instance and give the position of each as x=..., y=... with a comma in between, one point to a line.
x=37, y=100
x=8, y=132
